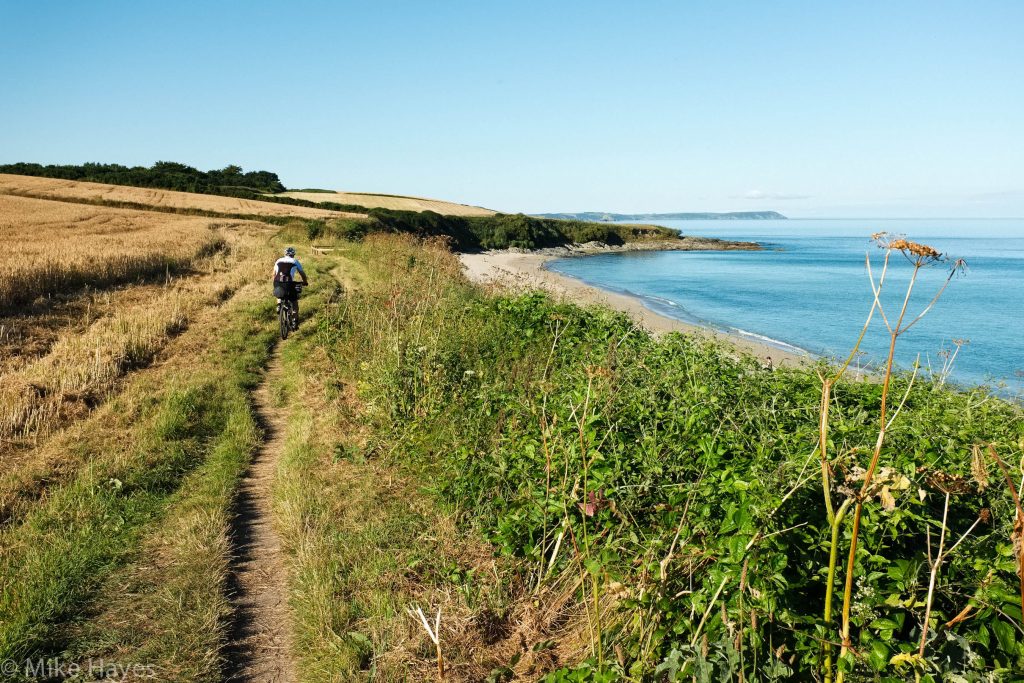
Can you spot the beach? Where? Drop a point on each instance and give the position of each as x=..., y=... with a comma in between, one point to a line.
x=518, y=270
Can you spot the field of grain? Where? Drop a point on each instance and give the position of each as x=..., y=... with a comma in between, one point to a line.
x=73, y=190
x=382, y=201
x=57, y=248
x=162, y=269
x=82, y=367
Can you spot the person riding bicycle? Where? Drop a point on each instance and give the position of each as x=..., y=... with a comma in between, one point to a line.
x=285, y=271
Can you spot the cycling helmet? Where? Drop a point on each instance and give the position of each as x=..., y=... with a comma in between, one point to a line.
x=290, y=251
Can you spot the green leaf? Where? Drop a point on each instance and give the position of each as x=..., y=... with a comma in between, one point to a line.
x=1005, y=635
x=884, y=624
x=983, y=636
x=878, y=657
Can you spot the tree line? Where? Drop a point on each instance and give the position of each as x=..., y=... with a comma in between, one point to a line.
x=465, y=233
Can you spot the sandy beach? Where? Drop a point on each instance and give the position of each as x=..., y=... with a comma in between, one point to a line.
x=519, y=270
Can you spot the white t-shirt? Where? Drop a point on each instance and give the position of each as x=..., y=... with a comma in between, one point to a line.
x=283, y=273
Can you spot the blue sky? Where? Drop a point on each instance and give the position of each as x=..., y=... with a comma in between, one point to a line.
x=811, y=108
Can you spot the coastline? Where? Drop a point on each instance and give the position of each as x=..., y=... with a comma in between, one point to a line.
x=683, y=243
x=515, y=269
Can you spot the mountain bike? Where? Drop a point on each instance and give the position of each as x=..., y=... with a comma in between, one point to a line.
x=288, y=312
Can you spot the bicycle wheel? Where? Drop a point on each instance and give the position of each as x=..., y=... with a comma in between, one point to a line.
x=282, y=314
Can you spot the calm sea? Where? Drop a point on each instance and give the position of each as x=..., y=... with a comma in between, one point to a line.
x=809, y=289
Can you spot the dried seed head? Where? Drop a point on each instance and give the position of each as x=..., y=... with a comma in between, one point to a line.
x=978, y=469
x=946, y=482
x=917, y=249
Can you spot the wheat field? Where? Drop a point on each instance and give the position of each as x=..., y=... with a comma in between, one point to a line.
x=67, y=251
x=83, y=366
x=57, y=248
x=380, y=201
x=74, y=190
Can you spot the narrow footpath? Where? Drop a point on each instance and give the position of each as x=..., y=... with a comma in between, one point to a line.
x=259, y=645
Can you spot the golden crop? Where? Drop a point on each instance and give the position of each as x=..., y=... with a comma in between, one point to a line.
x=55, y=248
x=61, y=249
x=75, y=190
x=372, y=201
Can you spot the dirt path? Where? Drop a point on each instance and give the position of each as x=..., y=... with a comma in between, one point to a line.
x=259, y=646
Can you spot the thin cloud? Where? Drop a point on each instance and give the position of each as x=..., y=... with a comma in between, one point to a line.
x=986, y=196
x=780, y=196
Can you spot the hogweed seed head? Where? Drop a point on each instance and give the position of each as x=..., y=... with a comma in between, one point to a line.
x=916, y=248
x=919, y=254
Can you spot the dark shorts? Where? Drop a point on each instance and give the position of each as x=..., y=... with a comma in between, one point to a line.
x=285, y=290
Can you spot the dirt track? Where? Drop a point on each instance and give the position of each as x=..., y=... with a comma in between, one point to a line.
x=259, y=646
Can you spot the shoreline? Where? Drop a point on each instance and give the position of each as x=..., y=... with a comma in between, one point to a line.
x=527, y=270
x=682, y=243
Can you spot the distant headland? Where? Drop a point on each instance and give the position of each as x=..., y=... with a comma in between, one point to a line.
x=613, y=217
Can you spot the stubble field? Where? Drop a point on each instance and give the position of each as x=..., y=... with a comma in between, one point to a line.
x=394, y=202
x=99, y=193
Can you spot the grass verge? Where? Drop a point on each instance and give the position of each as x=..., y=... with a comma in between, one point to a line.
x=366, y=544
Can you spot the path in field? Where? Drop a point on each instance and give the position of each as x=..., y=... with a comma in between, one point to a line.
x=259, y=645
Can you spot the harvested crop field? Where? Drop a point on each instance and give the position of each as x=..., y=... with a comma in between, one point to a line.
x=382, y=201
x=64, y=247
x=73, y=190
x=128, y=342
x=95, y=292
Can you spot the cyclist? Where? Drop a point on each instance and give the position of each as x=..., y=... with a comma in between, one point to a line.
x=285, y=271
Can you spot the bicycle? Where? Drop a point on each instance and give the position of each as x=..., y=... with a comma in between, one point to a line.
x=288, y=312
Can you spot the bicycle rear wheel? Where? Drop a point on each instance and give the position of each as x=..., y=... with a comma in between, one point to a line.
x=283, y=314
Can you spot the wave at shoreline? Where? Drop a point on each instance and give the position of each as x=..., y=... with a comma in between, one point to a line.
x=675, y=310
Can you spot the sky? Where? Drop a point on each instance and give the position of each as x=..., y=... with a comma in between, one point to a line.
x=813, y=109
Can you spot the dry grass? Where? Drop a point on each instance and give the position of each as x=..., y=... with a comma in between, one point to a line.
x=74, y=190
x=63, y=359
x=30, y=335
x=378, y=201
x=81, y=368
x=56, y=248
x=31, y=460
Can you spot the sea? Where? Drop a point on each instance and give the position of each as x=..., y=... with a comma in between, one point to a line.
x=809, y=291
